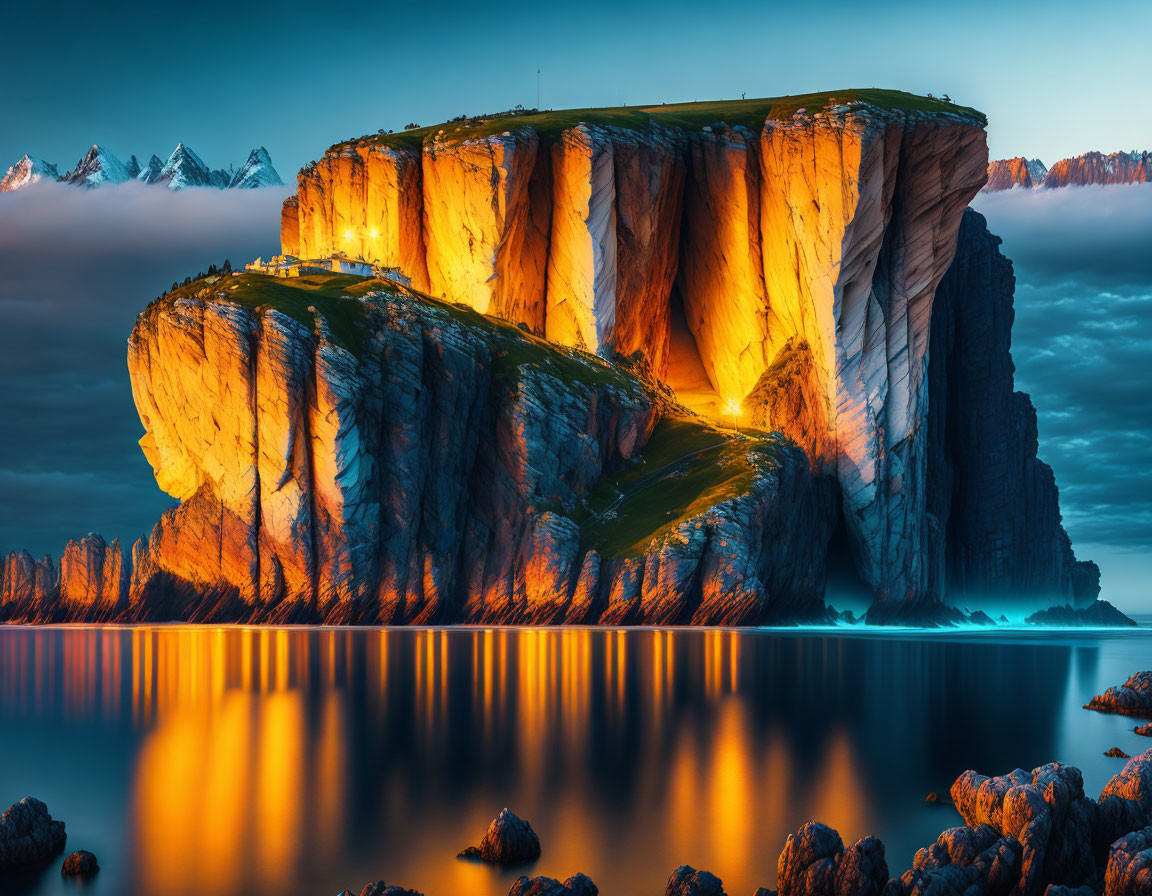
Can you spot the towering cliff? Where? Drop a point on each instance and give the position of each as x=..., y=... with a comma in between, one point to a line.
x=383, y=457
x=993, y=505
x=815, y=226
x=514, y=450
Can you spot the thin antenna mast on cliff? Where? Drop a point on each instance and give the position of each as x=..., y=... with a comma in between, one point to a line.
x=537, y=88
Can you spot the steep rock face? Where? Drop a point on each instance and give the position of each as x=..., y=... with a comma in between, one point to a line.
x=863, y=211
x=1095, y=168
x=827, y=231
x=435, y=465
x=27, y=584
x=486, y=238
x=993, y=506
x=93, y=578
x=290, y=225
x=27, y=171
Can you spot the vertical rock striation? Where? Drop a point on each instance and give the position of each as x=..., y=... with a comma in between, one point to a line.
x=93, y=579
x=993, y=506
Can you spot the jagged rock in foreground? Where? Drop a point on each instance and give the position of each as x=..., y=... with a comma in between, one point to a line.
x=1026, y=834
x=28, y=835
x=509, y=840
x=379, y=888
x=576, y=885
x=1129, y=868
x=687, y=881
x=1099, y=612
x=1133, y=698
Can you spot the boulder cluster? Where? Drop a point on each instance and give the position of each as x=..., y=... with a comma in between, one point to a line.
x=1133, y=698
x=28, y=835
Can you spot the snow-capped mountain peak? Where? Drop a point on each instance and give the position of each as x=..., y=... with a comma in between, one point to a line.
x=257, y=172
x=27, y=171
x=98, y=168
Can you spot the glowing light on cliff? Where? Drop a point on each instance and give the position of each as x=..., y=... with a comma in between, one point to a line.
x=375, y=233
x=733, y=410
x=347, y=234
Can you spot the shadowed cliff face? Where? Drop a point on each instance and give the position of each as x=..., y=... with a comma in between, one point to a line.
x=829, y=228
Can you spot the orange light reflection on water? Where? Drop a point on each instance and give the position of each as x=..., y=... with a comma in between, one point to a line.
x=249, y=767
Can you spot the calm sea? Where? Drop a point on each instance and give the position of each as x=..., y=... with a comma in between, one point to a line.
x=220, y=761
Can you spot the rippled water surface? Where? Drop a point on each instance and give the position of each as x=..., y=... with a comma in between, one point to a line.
x=220, y=761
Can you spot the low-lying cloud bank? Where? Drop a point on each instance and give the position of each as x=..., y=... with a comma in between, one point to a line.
x=76, y=266
x=1082, y=343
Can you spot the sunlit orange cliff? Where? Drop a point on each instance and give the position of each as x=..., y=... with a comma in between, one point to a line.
x=658, y=365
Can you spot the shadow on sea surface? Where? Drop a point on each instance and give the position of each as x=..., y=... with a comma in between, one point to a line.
x=232, y=760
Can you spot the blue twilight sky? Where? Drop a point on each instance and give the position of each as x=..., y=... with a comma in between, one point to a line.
x=1055, y=78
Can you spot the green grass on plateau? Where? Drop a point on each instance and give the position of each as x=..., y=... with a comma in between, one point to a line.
x=751, y=113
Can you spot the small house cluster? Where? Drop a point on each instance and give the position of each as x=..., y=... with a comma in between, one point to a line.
x=291, y=266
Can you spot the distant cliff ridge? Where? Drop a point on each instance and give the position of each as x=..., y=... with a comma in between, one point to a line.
x=517, y=449
x=1090, y=169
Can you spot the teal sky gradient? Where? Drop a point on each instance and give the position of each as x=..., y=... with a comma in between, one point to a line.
x=1055, y=78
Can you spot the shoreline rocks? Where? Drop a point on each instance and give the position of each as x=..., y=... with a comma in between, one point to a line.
x=1099, y=613
x=509, y=840
x=1133, y=698
x=576, y=885
x=29, y=836
x=80, y=864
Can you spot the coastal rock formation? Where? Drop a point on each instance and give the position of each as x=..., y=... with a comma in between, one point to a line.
x=687, y=881
x=1097, y=613
x=834, y=225
x=1026, y=834
x=1133, y=698
x=1129, y=867
x=80, y=864
x=417, y=462
x=992, y=505
x=814, y=860
x=93, y=579
x=27, y=585
x=379, y=888
x=576, y=885
x=1096, y=169
x=1004, y=174
x=28, y=835
x=509, y=840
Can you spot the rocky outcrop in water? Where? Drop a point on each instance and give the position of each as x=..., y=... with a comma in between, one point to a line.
x=28, y=586
x=93, y=579
x=509, y=840
x=80, y=864
x=379, y=888
x=28, y=835
x=576, y=885
x=1097, y=613
x=1129, y=867
x=1133, y=698
x=992, y=505
x=687, y=881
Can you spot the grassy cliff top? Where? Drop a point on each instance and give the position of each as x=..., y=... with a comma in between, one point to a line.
x=750, y=113
x=338, y=299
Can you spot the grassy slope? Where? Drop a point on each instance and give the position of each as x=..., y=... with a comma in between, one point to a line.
x=686, y=467
x=689, y=116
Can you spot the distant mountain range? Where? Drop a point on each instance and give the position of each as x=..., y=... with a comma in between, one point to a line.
x=1090, y=169
x=183, y=169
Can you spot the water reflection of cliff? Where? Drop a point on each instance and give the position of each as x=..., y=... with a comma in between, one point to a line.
x=274, y=759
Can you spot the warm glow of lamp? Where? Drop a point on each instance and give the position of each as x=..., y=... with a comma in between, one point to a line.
x=733, y=409
x=375, y=233
x=347, y=234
